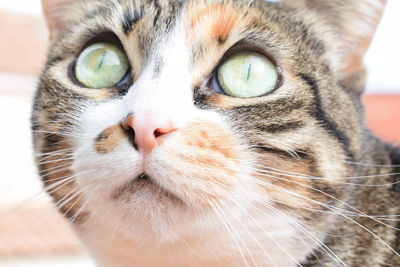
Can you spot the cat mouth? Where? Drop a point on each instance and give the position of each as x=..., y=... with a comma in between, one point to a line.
x=142, y=183
x=144, y=177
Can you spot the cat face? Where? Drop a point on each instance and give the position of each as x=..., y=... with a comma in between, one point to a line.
x=146, y=126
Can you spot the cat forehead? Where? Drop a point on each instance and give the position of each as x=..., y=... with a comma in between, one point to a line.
x=207, y=26
x=158, y=17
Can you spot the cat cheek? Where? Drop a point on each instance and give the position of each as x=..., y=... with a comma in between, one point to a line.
x=211, y=138
x=199, y=163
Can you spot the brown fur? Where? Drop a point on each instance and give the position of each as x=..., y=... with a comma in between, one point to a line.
x=109, y=139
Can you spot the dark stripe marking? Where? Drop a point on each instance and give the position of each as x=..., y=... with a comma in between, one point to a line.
x=301, y=155
x=283, y=107
x=321, y=115
x=158, y=12
x=394, y=153
x=130, y=19
x=281, y=127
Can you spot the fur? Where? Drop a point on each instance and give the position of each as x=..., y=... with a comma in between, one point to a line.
x=286, y=179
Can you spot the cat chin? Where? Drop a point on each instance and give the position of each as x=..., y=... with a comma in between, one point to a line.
x=182, y=233
x=147, y=188
x=152, y=213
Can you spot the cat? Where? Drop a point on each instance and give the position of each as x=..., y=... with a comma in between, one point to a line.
x=216, y=133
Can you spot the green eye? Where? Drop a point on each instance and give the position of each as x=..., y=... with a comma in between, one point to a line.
x=247, y=74
x=101, y=65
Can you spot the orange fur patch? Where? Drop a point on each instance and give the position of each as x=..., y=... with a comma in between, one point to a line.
x=355, y=63
x=212, y=149
x=222, y=101
x=210, y=137
x=224, y=19
x=109, y=139
x=227, y=102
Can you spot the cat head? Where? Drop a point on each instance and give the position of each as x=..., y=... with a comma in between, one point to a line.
x=166, y=114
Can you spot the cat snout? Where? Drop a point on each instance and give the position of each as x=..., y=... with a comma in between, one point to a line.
x=147, y=129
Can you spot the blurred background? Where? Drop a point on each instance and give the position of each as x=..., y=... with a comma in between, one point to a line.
x=31, y=232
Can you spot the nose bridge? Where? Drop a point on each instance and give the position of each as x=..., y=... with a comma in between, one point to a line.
x=157, y=96
x=168, y=92
x=164, y=86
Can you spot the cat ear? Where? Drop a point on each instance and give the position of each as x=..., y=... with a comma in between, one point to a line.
x=55, y=12
x=355, y=22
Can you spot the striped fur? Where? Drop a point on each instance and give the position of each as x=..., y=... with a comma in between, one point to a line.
x=264, y=181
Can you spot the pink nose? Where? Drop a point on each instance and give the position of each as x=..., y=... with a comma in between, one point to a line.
x=148, y=129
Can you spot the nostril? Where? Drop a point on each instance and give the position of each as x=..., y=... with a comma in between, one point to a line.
x=158, y=132
x=130, y=132
x=144, y=130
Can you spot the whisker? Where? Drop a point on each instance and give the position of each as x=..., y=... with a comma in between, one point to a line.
x=215, y=205
x=358, y=212
x=329, y=207
x=326, y=250
x=269, y=235
x=304, y=176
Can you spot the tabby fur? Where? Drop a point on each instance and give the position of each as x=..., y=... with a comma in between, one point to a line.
x=287, y=179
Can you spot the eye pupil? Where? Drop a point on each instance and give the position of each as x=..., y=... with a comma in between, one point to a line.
x=101, y=60
x=248, y=72
x=101, y=65
x=246, y=75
